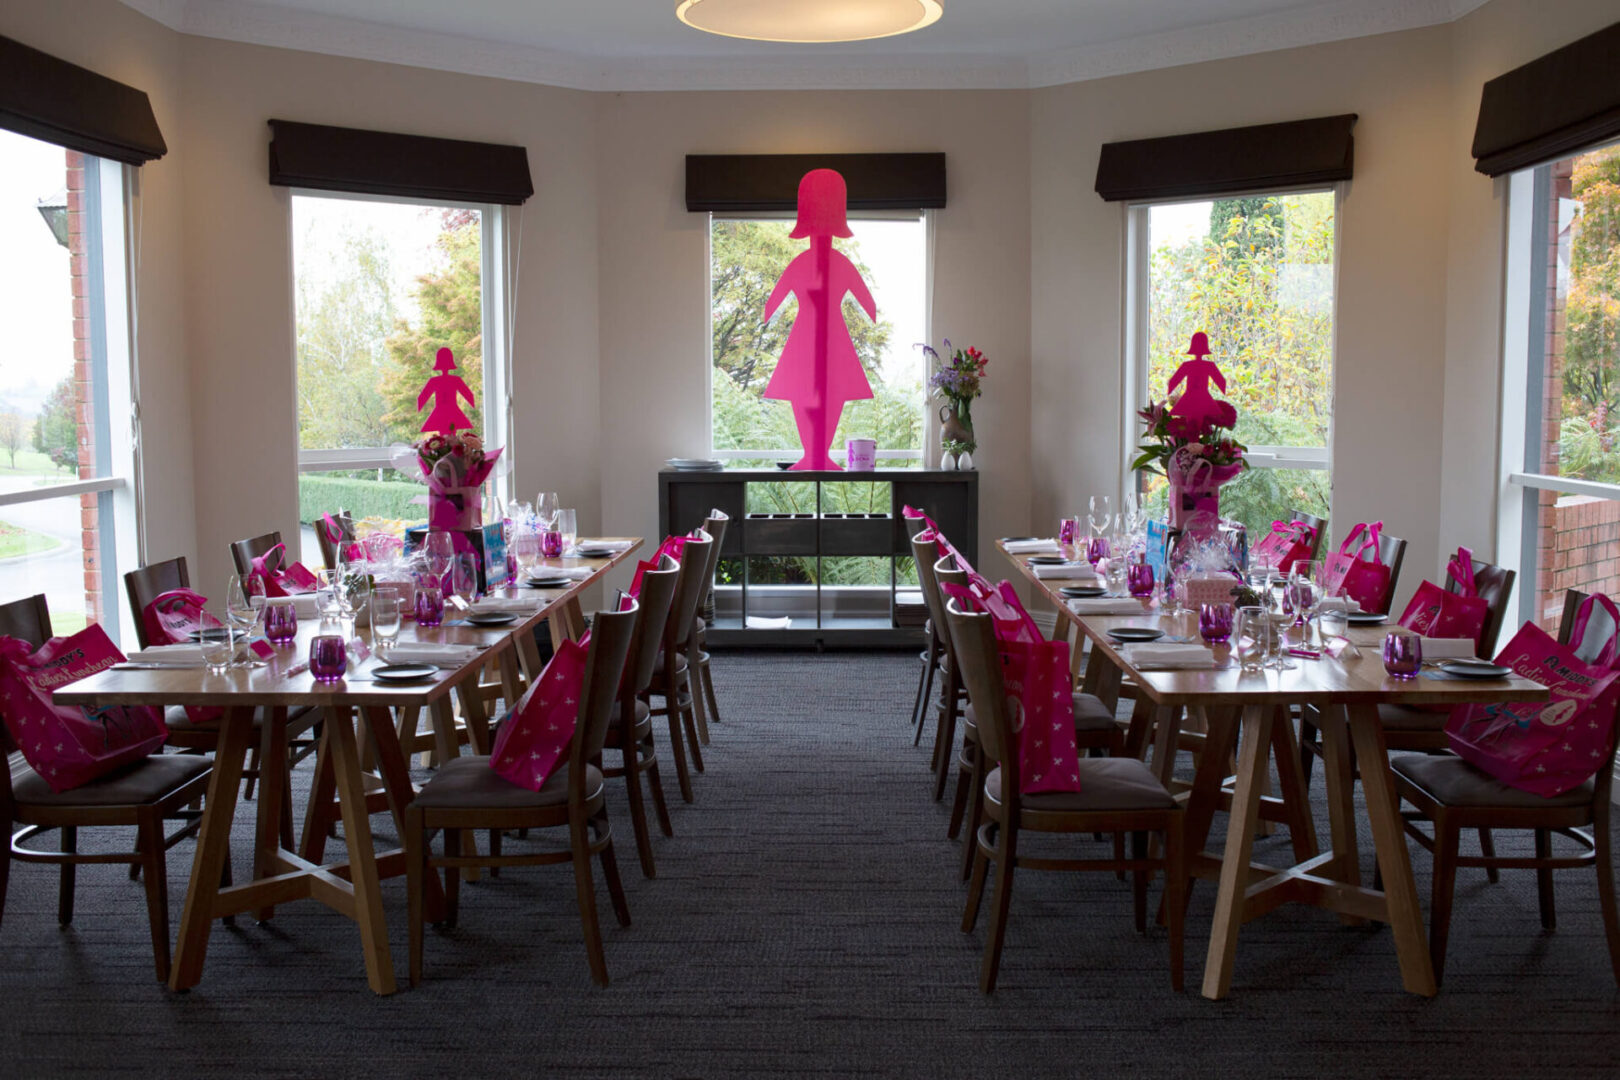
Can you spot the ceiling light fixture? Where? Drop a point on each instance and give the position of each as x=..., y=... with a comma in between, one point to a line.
x=803, y=22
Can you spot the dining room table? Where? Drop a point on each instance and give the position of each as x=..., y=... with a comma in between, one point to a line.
x=359, y=709
x=1249, y=714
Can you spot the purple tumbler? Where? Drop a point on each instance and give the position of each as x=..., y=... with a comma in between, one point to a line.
x=429, y=605
x=1403, y=655
x=1215, y=623
x=280, y=619
x=1139, y=579
x=328, y=658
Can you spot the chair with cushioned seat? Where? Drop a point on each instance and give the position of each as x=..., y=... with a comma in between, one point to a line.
x=1319, y=526
x=1453, y=795
x=926, y=555
x=703, y=702
x=466, y=793
x=243, y=552
x=672, y=674
x=1117, y=795
x=142, y=795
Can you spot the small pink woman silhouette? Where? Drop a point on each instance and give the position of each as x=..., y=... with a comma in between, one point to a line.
x=819, y=371
x=1197, y=407
x=444, y=389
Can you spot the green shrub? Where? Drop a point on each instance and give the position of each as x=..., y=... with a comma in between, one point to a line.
x=319, y=495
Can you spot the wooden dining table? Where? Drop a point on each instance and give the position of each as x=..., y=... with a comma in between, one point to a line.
x=1228, y=702
x=359, y=707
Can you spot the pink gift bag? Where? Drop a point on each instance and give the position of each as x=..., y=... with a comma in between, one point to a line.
x=172, y=617
x=1035, y=674
x=269, y=577
x=1286, y=542
x=1547, y=747
x=1434, y=612
x=537, y=735
x=1355, y=570
x=71, y=745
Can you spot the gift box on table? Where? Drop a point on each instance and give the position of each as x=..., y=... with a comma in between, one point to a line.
x=487, y=543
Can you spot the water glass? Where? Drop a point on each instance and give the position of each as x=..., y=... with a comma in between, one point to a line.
x=429, y=603
x=464, y=576
x=218, y=644
x=551, y=543
x=329, y=592
x=1116, y=576
x=1139, y=579
x=280, y=619
x=328, y=656
x=1333, y=623
x=1215, y=623
x=567, y=524
x=1253, y=631
x=385, y=619
x=1403, y=654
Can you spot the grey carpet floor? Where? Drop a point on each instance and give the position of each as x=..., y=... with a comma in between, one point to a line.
x=804, y=922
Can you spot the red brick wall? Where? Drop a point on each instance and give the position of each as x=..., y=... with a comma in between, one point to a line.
x=90, y=534
x=1585, y=537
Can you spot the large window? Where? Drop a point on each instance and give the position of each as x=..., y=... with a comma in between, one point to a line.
x=381, y=285
x=1561, y=448
x=746, y=256
x=67, y=499
x=1256, y=274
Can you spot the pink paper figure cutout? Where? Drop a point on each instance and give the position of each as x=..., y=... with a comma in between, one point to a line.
x=1197, y=408
x=444, y=388
x=819, y=371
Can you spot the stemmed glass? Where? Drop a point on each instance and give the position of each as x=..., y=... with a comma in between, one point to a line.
x=239, y=612
x=439, y=550
x=1100, y=516
x=546, y=506
x=1305, y=591
x=355, y=592
x=464, y=578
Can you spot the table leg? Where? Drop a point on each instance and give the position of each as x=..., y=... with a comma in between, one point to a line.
x=529, y=656
x=1389, y=838
x=274, y=799
x=213, y=848
x=567, y=622
x=1339, y=781
x=317, y=813
x=1255, y=753
x=1291, y=784
x=1167, y=730
x=511, y=681
x=1095, y=667
x=473, y=711
x=351, y=791
x=444, y=729
x=1205, y=797
x=393, y=764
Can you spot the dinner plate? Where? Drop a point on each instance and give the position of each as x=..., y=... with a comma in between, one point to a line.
x=1046, y=560
x=549, y=583
x=1079, y=591
x=593, y=553
x=492, y=618
x=1017, y=539
x=1474, y=669
x=404, y=672
x=1135, y=633
x=1366, y=618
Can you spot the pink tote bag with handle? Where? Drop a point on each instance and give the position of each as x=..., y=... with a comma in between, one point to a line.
x=1434, y=612
x=1355, y=571
x=172, y=617
x=1547, y=747
x=536, y=737
x=1286, y=542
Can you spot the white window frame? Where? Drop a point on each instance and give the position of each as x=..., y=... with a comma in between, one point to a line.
x=497, y=406
x=1139, y=265
x=925, y=218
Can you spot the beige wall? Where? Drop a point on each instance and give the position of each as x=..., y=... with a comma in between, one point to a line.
x=610, y=342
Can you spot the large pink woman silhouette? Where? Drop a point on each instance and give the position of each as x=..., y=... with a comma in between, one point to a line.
x=444, y=388
x=1197, y=409
x=819, y=371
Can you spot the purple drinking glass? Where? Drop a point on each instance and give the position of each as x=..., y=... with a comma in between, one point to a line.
x=1066, y=530
x=551, y=544
x=1403, y=655
x=1097, y=550
x=328, y=657
x=280, y=620
x=1139, y=579
x=429, y=605
x=1215, y=623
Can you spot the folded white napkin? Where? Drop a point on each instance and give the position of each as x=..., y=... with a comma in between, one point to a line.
x=523, y=605
x=572, y=573
x=305, y=604
x=1448, y=648
x=427, y=652
x=180, y=656
x=609, y=545
x=1032, y=547
x=1106, y=605
x=761, y=622
x=1153, y=656
x=1066, y=571
x=1338, y=603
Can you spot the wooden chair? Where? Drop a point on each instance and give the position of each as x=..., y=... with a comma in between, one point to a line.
x=932, y=651
x=243, y=552
x=672, y=674
x=1117, y=795
x=1319, y=524
x=142, y=795
x=703, y=701
x=1453, y=795
x=631, y=733
x=1392, y=553
x=1096, y=732
x=951, y=695
x=329, y=547
x=467, y=794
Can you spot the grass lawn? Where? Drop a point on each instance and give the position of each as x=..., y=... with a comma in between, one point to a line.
x=15, y=541
x=33, y=463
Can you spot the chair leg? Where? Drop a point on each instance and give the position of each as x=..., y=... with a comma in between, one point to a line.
x=610, y=872
x=946, y=743
x=657, y=785
x=452, y=876
x=699, y=706
x=5, y=870
x=959, y=801
x=688, y=721
x=1308, y=739
x=1602, y=843
x=1446, y=842
x=1175, y=896
x=981, y=867
x=1139, y=880
x=251, y=773
x=638, y=812
x=975, y=811
x=416, y=870
x=1487, y=847
x=677, y=750
x=925, y=689
x=1544, y=881
x=64, y=896
x=585, y=893
x=1000, y=905
x=494, y=850
x=157, y=891
x=706, y=675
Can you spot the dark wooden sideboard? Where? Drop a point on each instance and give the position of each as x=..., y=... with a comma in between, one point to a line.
x=822, y=614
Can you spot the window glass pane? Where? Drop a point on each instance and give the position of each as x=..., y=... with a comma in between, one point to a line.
x=747, y=258
x=55, y=209
x=1255, y=274
x=380, y=288
x=377, y=499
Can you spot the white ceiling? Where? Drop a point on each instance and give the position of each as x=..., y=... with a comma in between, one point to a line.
x=639, y=44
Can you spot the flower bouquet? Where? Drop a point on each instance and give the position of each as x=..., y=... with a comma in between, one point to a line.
x=454, y=466
x=957, y=382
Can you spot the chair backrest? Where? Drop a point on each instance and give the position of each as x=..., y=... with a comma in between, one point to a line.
x=1319, y=524
x=1392, y=553
x=973, y=640
x=689, y=590
x=947, y=572
x=925, y=553
x=28, y=619
x=243, y=552
x=1494, y=584
x=715, y=526
x=657, y=595
x=148, y=583
x=611, y=634
x=329, y=547
x=915, y=525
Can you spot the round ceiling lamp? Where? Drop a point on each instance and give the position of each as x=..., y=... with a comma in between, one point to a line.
x=803, y=22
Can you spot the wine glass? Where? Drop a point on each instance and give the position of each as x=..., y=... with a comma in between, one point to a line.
x=239, y=610
x=355, y=593
x=464, y=576
x=439, y=549
x=546, y=505
x=1100, y=515
x=1305, y=590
